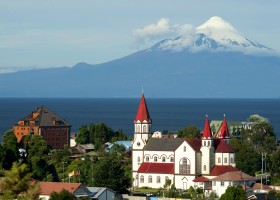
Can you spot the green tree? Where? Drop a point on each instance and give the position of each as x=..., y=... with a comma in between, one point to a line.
x=102, y=134
x=37, y=159
x=83, y=135
x=16, y=185
x=110, y=173
x=91, y=130
x=234, y=193
x=10, y=149
x=243, y=151
x=62, y=195
x=189, y=132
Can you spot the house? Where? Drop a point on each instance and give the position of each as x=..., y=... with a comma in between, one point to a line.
x=85, y=148
x=42, y=121
x=234, y=178
x=76, y=189
x=100, y=193
x=185, y=162
x=234, y=127
x=248, y=125
x=126, y=144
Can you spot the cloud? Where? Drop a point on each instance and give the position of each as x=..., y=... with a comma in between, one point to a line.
x=161, y=30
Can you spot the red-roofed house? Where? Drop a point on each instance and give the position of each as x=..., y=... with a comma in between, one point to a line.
x=186, y=162
x=76, y=189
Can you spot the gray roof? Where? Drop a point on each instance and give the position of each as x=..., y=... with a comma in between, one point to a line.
x=46, y=118
x=163, y=144
x=87, y=146
x=97, y=191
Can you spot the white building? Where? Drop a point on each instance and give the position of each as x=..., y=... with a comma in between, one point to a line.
x=186, y=162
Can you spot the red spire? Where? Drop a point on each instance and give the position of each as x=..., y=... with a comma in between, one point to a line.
x=207, y=130
x=143, y=113
x=224, y=133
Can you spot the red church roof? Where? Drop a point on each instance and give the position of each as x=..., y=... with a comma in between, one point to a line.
x=207, y=130
x=157, y=168
x=224, y=133
x=222, y=146
x=143, y=113
x=201, y=179
x=221, y=169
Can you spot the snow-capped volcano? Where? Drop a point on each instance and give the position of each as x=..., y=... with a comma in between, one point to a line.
x=215, y=35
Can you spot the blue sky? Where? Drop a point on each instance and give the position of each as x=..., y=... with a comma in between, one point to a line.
x=54, y=33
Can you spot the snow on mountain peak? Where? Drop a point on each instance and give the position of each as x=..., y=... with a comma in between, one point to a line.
x=222, y=32
x=215, y=35
x=216, y=23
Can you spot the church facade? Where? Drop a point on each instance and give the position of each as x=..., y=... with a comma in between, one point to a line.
x=159, y=162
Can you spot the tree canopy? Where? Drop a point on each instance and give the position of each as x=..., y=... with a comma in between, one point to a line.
x=234, y=193
x=109, y=172
x=189, y=132
x=16, y=183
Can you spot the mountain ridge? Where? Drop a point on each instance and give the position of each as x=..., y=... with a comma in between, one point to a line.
x=208, y=72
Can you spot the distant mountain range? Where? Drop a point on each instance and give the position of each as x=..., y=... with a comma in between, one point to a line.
x=216, y=61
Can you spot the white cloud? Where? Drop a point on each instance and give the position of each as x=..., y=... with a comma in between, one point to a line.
x=163, y=29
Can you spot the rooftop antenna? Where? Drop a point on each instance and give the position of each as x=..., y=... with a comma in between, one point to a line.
x=142, y=89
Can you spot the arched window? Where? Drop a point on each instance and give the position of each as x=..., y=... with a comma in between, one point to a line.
x=184, y=166
x=231, y=160
x=163, y=159
x=171, y=159
x=155, y=159
x=219, y=160
x=208, y=143
x=150, y=179
x=225, y=160
x=141, y=179
x=144, y=129
x=138, y=159
x=147, y=159
x=204, y=143
x=204, y=167
x=158, y=179
x=138, y=129
x=185, y=149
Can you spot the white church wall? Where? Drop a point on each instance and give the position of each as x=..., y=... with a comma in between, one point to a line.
x=184, y=181
x=158, y=156
x=185, y=151
x=153, y=180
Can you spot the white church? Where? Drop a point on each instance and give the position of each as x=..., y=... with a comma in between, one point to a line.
x=186, y=162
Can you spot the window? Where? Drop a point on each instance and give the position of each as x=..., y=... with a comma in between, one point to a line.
x=147, y=159
x=229, y=184
x=163, y=159
x=219, y=160
x=185, y=149
x=231, y=160
x=208, y=143
x=144, y=129
x=184, y=167
x=204, y=143
x=204, y=167
x=138, y=159
x=150, y=179
x=171, y=159
x=155, y=159
x=158, y=179
x=222, y=183
x=225, y=160
x=138, y=129
x=141, y=179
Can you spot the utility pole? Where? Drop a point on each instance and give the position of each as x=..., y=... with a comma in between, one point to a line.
x=63, y=169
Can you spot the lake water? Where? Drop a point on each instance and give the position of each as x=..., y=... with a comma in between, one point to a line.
x=166, y=114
